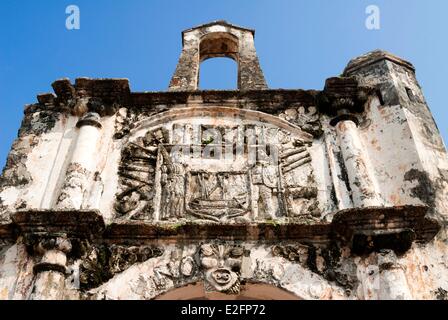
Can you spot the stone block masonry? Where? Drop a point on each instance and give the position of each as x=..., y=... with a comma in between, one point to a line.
x=263, y=193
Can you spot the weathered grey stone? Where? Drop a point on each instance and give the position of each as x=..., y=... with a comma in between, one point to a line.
x=256, y=192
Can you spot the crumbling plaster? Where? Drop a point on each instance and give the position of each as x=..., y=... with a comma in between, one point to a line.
x=355, y=209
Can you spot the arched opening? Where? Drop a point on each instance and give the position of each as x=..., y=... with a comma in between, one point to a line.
x=249, y=291
x=218, y=44
x=218, y=74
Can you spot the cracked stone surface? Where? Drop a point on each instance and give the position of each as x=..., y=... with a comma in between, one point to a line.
x=337, y=193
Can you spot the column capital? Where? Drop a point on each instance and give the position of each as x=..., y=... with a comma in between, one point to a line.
x=342, y=98
x=53, y=250
x=90, y=119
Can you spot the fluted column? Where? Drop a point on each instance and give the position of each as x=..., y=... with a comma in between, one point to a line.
x=81, y=169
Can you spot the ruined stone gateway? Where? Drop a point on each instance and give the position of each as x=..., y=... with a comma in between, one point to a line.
x=251, y=193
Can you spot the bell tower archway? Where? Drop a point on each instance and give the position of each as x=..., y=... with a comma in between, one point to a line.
x=218, y=39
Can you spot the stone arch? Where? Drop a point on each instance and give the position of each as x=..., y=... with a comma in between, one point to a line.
x=219, y=112
x=179, y=274
x=218, y=39
x=218, y=73
x=218, y=44
x=250, y=291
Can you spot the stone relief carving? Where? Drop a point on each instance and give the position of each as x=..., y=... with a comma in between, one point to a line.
x=221, y=265
x=216, y=172
x=137, y=173
x=125, y=119
x=100, y=263
x=76, y=178
x=306, y=117
x=173, y=187
x=217, y=196
x=217, y=264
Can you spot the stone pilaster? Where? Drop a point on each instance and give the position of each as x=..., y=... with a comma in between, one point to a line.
x=82, y=165
x=364, y=193
x=343, y=100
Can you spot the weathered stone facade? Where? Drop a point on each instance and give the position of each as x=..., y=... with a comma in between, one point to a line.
x=337, y=193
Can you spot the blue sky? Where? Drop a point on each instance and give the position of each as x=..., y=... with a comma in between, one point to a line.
x=299, y=43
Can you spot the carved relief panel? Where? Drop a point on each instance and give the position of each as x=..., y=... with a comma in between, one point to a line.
x=216, y=168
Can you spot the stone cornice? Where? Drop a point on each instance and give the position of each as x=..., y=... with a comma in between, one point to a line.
x=220, y=23
x=117, y=90
x=385, y=227
x=105, y=95
x=374, y=57
x=85, y=224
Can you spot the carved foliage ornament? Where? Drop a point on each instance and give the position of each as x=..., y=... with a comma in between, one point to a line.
x=218, y=264
x=222, y=265
x=305, y=117
x=100, y=263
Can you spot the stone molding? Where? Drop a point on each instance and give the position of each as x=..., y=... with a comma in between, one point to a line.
x=394, y=228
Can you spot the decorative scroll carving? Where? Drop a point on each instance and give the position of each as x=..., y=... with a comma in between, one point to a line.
x=101, y=263
x=306, y=117
x=123, y=120
x=296, y=253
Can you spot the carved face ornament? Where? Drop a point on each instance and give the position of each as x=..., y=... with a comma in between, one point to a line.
x=221, y=265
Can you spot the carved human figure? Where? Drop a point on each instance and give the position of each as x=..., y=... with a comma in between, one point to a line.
x=221, y=264
x=265, y=177
x=166, y=192
x=173, y=191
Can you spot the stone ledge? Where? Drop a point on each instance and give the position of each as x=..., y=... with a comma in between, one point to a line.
x=128, y=231
x=363, y=229
x=117, y=90
x=377, y=220
x=77, y=224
